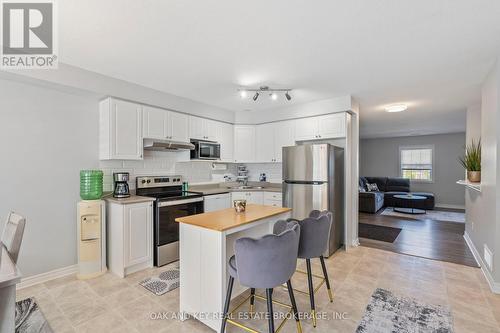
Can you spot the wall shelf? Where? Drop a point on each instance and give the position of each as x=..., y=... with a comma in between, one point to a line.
x=473, y=186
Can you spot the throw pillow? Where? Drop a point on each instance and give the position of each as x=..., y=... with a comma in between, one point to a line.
x=362, y=189
x=372, y=187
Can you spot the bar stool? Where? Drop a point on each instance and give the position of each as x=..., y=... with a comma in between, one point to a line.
x=314, y=235
x=265, y=263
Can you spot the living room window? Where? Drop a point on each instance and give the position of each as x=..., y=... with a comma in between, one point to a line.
x=416, y=162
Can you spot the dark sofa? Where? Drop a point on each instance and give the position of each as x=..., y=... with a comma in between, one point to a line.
x=371, y=202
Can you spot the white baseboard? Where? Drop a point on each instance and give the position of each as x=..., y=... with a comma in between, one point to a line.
x=494, y=286
x=47, y=276
x=440, y=205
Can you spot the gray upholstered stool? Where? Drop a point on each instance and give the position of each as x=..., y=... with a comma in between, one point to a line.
x=314, y=235
x=266, y=263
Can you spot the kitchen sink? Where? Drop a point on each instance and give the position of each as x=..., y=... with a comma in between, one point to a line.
x=246, y=187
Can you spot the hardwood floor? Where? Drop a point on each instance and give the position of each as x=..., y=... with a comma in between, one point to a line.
x=423, y=237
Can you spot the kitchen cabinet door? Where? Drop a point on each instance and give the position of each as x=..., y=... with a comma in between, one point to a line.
x=178, y=127
x=255, y=198
x=284, y=136
x=244, y=143
x=225, y=137
x=211, y=129
x=196, y=128
x=273, y=199
x=138, y=233
x=265, y=148
x=126, y=130
x=306, y=129
x=217, y=202
x=331, y=126
x=154, y=123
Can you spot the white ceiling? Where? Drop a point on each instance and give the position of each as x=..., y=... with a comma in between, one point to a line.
x=431, y=54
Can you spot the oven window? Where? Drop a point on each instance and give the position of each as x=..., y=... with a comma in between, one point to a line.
x=167, y=228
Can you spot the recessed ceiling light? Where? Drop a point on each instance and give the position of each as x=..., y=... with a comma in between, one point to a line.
x=274, y=96
x=243, y=94
x=396, y=108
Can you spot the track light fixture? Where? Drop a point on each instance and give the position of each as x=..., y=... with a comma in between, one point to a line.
x=273, y=93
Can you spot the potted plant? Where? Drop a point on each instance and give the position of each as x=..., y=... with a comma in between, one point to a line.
x=472, y=161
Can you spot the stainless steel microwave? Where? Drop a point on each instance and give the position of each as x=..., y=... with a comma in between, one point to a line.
x=205, y=150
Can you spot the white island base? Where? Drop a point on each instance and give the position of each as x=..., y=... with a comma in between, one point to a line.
x=204, y=254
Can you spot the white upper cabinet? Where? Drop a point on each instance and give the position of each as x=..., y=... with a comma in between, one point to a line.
x=331, y=126
x=202, y=129
x=178, y=126
x=244, y=143
x=163, y=124
x=306, y=129
x=120, y=134
x=265, y=143
x=271, y=138
x=321, y=127
x=284, y=136
x=153, y=123
x=225, y=136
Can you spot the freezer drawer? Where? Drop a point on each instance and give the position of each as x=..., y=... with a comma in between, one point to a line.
x=303, y=198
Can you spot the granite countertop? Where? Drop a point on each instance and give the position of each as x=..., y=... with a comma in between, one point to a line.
x=226, y=219
x=130, y=200
x=220, y=188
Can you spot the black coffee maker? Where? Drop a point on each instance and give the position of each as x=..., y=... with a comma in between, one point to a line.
x=121, y=185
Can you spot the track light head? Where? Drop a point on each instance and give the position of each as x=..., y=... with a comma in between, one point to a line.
x=288, y=97
x=255, y=96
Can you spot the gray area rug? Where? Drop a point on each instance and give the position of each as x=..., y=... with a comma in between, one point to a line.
x=29, y=318
x=163, y=283
x=388, y=313
x=437, y=215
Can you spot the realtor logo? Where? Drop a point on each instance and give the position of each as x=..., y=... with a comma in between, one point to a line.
x=28, y=31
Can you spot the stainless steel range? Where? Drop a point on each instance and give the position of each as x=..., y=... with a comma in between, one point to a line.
x=171, y=202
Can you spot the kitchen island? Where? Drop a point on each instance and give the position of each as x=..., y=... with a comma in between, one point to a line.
x=206, y=244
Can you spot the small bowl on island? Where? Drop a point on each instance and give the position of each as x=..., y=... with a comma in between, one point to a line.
x=240, y=205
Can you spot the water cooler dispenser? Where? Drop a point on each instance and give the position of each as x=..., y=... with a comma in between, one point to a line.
x=91, y=238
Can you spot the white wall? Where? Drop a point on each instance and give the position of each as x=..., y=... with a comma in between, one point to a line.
x=380, y=157
x=483, y=209
x=46, y=137
x=71, y=76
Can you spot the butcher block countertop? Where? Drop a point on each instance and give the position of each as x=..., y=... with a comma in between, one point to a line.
x=226, y=219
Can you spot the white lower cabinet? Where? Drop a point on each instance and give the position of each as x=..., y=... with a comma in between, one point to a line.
x=253, y=197
x=216, y=202
x=273, y=199
x=130, y=237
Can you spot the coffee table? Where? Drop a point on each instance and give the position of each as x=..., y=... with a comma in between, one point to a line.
x=409, y=203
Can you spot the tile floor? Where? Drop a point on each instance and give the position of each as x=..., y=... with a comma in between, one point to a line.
x=111, y=304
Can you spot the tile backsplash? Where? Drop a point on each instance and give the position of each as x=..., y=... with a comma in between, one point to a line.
x=272, y=171
x=163, y=163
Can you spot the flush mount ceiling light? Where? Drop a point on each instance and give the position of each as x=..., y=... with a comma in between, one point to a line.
x=396, y=108
x=273, y=93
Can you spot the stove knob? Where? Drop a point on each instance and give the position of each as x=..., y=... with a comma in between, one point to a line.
x=149, y=181
x=143, y=181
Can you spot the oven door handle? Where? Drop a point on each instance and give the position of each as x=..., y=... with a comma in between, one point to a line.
x=178, y=202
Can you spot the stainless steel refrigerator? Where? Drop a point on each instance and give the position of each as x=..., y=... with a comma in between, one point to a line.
x=313, y=178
